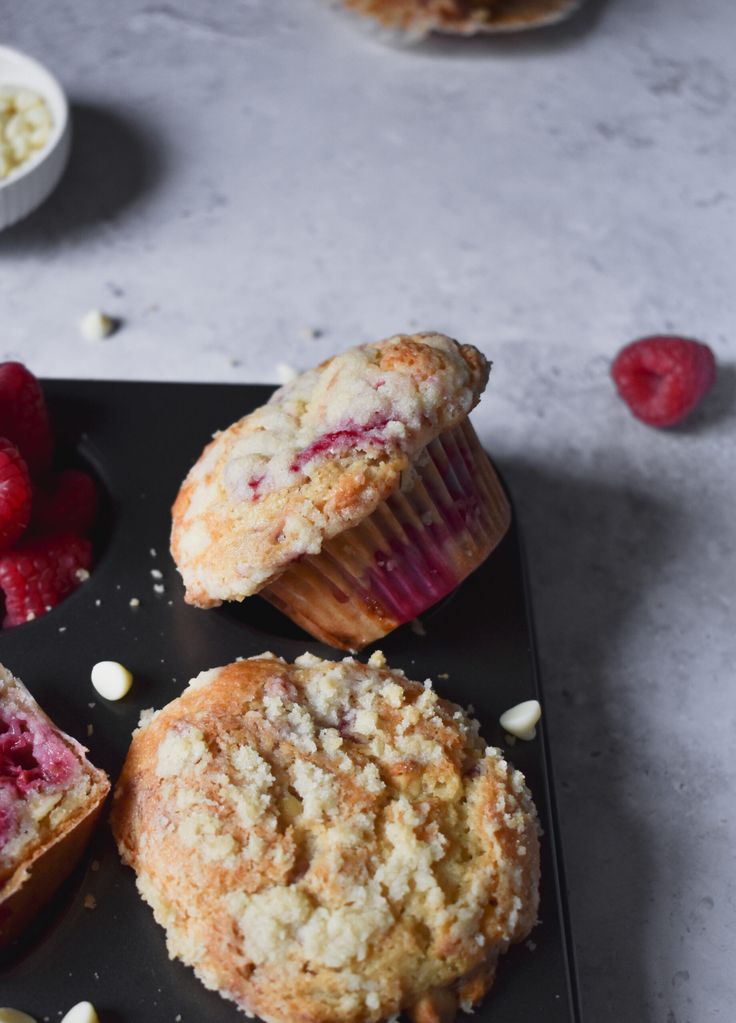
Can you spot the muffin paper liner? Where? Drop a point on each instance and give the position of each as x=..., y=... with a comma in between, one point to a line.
x=413, y=550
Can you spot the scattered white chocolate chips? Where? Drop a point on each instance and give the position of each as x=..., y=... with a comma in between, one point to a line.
x=521, y=720
x=82, y=1012
x=25, y=127
x=15, y=1016
x=111, y=679
x=96, y=325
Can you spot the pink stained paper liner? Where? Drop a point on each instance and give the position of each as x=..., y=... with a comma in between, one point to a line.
x=413, y=550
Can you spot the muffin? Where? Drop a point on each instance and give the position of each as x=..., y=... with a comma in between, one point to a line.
x=50, y=797
x=418, y=17
x=356, y=498
x=328, y=841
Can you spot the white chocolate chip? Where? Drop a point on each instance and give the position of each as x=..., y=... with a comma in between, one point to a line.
x=96, y=325
x=520, y=720
x=15, y=1016
x=82, y=1012
x=25, y=126
x=111, y=679
x=285, y=373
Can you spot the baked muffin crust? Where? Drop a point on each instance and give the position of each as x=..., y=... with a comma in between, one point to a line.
x=461, y=16
x=317, y=459
x=50, y=797
x=328, y=841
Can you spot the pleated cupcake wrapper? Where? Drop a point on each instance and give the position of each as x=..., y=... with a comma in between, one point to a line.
x=413, y=550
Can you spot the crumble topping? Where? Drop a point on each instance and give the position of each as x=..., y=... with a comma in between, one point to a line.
x=320, y=811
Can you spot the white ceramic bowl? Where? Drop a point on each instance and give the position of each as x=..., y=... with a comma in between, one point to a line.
x=28, y=186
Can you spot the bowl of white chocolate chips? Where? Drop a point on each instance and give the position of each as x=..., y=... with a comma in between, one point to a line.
x=34, y=134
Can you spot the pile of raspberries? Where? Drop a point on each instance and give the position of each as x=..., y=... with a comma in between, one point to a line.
x=44, y=514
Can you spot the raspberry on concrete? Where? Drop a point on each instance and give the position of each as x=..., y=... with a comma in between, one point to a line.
x=662, y=379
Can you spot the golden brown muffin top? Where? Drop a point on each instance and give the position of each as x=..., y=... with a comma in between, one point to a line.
x=418, y=17
x=315, y=460
x=327, y=841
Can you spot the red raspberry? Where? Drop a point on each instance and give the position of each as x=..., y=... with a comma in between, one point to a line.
x=40, y=573
x=15, y=495
x=662, y=379
x=68, y=505
x=23, y=416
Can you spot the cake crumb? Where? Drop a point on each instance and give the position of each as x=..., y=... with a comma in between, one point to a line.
x=152, y=551
x=90, y=902
x=159, y=588
x=95, y=865
x=418, y=628
x=90, y=730
x=312, y=333
x=82, y=574
x=134, y=602
x=444, y=675
x=157, y=573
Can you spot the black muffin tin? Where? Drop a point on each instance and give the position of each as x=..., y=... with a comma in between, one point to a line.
x=98, y=941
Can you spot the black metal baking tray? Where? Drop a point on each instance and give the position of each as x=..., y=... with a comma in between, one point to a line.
x=140, y=439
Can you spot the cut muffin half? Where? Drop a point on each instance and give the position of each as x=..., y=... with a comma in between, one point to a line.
x=50, y=797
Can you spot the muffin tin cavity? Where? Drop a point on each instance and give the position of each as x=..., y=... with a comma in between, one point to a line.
x=140, y=440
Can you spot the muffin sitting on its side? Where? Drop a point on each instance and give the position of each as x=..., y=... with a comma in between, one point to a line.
x=328, y=841
x=354, y=500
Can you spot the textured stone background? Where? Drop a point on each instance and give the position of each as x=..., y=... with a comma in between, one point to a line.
x=246, y=173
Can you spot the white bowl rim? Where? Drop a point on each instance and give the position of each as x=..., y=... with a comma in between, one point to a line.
x=52, y=92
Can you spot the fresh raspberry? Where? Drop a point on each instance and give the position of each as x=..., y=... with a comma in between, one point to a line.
x=662, y=379
x=15, y=495
x=40, y=573
x=67, y=505
x=23, y=416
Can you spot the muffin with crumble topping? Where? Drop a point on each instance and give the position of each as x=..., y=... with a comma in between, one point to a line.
x=328, y=841
x=354, y=500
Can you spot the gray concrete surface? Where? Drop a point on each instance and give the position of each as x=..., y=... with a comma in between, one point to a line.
x=256, y=182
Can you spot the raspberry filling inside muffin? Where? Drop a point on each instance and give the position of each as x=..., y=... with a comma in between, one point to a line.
x=338, y=442
x=32, y=759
